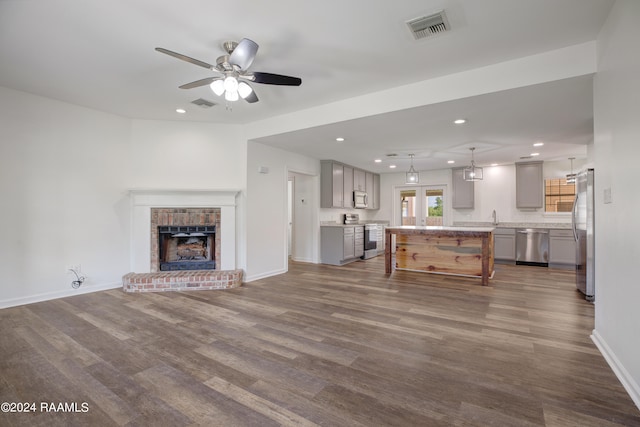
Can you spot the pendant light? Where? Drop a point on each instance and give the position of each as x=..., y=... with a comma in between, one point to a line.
x=413, y=177
x=571, y=178
x=473, y=172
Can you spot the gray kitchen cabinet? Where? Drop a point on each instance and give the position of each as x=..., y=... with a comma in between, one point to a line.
x=358, y=241
x=504, y=244
x=331, y=184
x=348, y=241
x=374, y=195
x=463, y=191
x=373, y=190
x=529, y=185
x=338, y=181
x=340, y=245
x=359, y=180
x=562, y=247
x=380, y=242
x=348, y=186
x=368, y=182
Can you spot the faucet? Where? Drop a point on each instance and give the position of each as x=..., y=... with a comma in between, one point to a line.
x=495, y=217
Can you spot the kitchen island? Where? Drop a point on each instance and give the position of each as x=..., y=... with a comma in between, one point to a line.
x=464, y=251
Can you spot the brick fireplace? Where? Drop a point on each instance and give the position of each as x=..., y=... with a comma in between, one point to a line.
x=184, y=221
x=192, y=230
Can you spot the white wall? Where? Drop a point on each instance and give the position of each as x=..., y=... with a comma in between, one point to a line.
x=617, y=150
x=496, y=191
x=266, y=210
x=571, y=61
x=63, y=174
x=179, y=155
x=389, y=181
x=191, y=156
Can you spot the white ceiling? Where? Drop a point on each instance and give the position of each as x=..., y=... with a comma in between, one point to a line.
x=100, y=54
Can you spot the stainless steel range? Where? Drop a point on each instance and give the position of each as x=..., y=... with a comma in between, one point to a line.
x=370, y=235
x=370, y=241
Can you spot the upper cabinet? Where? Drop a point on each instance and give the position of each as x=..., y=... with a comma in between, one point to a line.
x=529, y=185
x=338, y=182
x=332, y=185
x=463, y=191
x=374, y=195
x=359, y=180
x=347, y=187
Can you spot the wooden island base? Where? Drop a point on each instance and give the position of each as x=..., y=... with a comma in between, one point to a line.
x=445, y=250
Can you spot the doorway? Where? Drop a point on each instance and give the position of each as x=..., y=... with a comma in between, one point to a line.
x=302, y=217
x=420, y=205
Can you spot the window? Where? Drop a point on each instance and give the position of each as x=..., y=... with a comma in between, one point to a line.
x=559, y=195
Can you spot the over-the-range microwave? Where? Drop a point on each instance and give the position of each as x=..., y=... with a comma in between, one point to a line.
x=360, y=199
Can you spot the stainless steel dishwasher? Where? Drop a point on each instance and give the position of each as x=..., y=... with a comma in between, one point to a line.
x=532, y=247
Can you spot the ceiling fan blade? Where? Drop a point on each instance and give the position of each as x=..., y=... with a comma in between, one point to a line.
x=198, y=83
x=186, y=58
x=252, y=97
x=244, y=53
x=276, y=79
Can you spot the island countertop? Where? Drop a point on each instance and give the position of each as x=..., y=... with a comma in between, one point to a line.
x=465, y=251
x=441, y=228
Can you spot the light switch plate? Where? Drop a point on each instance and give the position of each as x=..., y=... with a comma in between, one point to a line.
x=607, y=195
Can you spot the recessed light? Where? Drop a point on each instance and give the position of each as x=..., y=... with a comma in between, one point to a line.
x=377, y=160
x=494, y=164
x=392, y=166
x=538, y=144
x=451, y=161
x=181, y=110
x=460, y=121
x=339, y=139
x=535, y=154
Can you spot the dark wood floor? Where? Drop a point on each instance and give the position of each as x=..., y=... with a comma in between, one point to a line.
x=320, y=345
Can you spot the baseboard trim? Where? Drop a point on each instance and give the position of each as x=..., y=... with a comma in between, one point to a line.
x=629, y=384
x=248, y=279
x=58, y=294
x=307, y=260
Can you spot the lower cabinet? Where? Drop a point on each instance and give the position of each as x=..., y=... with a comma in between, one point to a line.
x=504, y=244
x=358, y=241
x=341, y=245
x=380, y=242
x=562, y=247
x=348, y=241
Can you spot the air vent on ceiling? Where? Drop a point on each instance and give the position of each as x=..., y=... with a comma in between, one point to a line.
x=201, y=102
x=425, y=26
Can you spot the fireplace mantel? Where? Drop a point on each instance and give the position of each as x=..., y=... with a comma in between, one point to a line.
x=142, y=200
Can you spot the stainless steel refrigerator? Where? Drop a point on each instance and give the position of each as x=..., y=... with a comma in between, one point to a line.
x=583, y=232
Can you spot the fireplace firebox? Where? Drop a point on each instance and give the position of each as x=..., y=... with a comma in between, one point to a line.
x=186, y=247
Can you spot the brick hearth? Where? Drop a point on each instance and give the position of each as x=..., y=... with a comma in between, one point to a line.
x=190, y=280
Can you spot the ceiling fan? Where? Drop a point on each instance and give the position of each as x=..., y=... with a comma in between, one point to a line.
x=234, y=74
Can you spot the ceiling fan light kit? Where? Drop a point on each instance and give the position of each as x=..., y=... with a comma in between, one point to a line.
x=472, y=172
x=233, y=68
